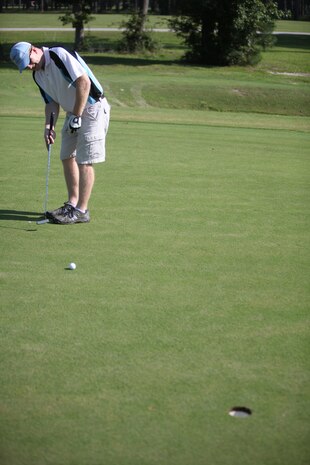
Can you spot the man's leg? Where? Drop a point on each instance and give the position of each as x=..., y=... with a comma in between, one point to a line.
x=72, y=177
x=80, y=180
x=87, y=179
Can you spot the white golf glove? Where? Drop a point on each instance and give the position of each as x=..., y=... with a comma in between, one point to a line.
x=74, y=123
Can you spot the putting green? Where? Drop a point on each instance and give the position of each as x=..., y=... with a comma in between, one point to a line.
x=189, y=298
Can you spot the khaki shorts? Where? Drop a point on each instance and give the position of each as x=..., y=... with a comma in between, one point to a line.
x=88, y=143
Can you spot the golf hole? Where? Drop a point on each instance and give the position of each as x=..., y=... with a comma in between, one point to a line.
x=240, y=412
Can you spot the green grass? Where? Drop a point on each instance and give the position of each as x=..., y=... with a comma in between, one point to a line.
x=290, y=54
x=189, y=298
x=279, y=84
x=51, y=19
x=160, y=81
x=293, y=26
x=151, y=85
x=191, y=293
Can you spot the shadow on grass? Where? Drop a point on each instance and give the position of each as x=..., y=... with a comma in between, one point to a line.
x=104, y=54
x=127, y=60
x=111, y=60
x=301, y=42
x=19, y=215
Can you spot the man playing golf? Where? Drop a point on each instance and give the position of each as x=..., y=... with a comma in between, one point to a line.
x=66, y=81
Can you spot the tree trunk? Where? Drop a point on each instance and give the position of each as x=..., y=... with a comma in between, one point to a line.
x=145, y=7
x=79, y=26
x=144, y=12
x=79, y=36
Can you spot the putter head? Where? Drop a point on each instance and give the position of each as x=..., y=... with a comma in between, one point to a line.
x=45, y=220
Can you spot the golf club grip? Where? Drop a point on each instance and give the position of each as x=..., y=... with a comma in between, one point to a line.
x=52, y=120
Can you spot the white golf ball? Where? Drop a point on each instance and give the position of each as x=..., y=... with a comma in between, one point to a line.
x=72, y=266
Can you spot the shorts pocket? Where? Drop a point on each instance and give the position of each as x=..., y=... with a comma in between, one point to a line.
x=94, y=146
x=92, y=111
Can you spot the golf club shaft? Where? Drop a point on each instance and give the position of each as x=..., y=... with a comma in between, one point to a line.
x=47, y=176
x=48, y=163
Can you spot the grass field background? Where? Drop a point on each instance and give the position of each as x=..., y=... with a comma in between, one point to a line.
x=51, y=19
x=191, y=293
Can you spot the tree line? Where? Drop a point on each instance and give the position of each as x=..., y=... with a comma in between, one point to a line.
x=292, y=9
x=214, y=32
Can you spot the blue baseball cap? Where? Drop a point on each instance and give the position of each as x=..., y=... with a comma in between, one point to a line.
x=20, y=55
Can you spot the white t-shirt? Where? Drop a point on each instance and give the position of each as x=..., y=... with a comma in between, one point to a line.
x=57, y=80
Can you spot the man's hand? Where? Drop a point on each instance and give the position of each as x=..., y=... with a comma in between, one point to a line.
x=51, y=115
x=49, y=136
x=75, y=122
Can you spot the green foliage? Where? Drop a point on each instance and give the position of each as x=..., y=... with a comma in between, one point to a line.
x=252, y=17
x=76, y=19
x=81, y=14
x=225, y=33
x=135, y=37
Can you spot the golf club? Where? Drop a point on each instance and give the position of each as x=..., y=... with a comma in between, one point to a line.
x=46, y=220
